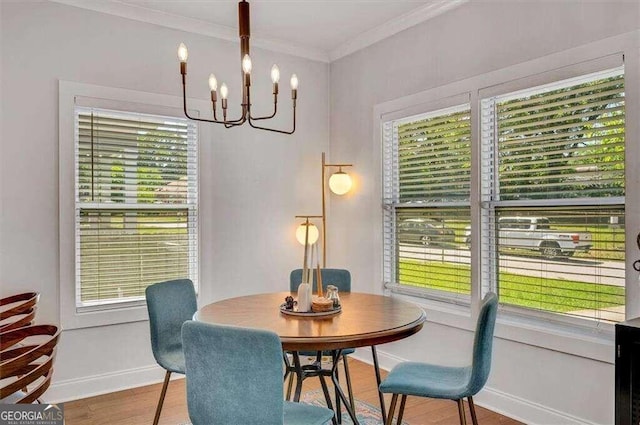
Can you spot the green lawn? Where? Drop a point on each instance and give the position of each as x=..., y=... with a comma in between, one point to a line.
x=556, y=295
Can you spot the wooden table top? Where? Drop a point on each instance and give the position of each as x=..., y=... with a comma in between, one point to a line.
x=365, y=320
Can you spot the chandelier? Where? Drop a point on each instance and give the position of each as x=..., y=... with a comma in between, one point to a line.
x=244, y=30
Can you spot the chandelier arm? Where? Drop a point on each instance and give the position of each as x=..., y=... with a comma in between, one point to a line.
x=273, y=129
x=233, y=123
x=266, y=117
x=239, y=121
x=214, y=121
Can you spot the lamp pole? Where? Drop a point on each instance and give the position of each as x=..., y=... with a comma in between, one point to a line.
x=324, y=219
x=324, y=207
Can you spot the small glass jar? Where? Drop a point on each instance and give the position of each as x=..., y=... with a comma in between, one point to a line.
x=332, y=294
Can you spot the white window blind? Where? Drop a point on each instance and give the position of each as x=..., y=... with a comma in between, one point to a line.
x=553, y=191
x=136, y=204
x=427, y=180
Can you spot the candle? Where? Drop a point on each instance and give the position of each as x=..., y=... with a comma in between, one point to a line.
x=310, y=268
x=319, y=279
x=305, y=272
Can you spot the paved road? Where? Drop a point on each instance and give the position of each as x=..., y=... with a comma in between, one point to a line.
x=576, y=269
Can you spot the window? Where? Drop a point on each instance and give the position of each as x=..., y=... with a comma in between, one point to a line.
x=553, y=159
x=427, y=183
x=136, y=204
x=550, y=187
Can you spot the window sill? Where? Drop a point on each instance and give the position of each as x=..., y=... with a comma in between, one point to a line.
x=72, y=318
x=588, y=342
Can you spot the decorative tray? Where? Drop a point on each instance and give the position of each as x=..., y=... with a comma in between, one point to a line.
x=295, y=312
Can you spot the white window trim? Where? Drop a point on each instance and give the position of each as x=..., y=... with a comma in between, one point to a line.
x=71, y=94
x=562, y=336
x=437, y=107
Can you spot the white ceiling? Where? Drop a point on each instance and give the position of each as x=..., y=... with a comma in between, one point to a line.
x=318, y=29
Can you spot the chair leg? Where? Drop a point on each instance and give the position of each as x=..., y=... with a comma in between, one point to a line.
x=347, y=376
x=299, y=376
x=463, y=419
x=162, y=394
x=327, y=397
x=472, y=408
x=289, y=372
x=290, y=386
x=403, y=401
x=392, y=408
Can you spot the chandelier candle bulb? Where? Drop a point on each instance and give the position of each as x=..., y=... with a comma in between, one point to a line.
x=246, y=64
x=213, y=85
x=275, y=74
x=213, y=82
x=183, y=53
x=275, y=77
x=224, y=91
x=246, y=68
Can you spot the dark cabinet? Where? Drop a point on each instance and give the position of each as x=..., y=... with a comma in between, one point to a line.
x=628, y=372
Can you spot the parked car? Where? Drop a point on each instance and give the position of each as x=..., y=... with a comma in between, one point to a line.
x=424, y=231
x=535, y=233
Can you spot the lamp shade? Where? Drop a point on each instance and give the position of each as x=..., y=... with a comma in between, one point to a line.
x=313, y=233
x=340, y=183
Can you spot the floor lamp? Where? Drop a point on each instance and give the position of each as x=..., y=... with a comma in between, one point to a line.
x=340, y=183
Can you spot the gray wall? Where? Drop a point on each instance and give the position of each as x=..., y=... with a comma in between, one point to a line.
x=253, y=183
x=527, y=381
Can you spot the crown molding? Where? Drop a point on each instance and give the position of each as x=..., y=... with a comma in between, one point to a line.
x=197, y=26
x=194, y=26
x=394, y=26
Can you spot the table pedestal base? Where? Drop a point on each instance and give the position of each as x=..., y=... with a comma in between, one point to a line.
x=316, y=369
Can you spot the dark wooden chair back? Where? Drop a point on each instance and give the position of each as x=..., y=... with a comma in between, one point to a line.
x=18, y=311
x=26, y=362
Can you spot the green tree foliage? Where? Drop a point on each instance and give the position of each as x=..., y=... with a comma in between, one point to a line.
x=563, y=143
x=434, y=158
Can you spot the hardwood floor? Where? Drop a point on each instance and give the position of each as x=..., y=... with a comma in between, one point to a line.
x=137, y=406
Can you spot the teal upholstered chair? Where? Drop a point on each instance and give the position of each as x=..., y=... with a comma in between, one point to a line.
x=234, y=376
x=170, y=304
x=341, y=279
x=454, y=383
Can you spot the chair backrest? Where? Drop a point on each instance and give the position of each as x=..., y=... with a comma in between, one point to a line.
x=234, y=375
x=340, y=278
x=170, y=304
x=483, y=342
x=18, y=311
x=26, y=362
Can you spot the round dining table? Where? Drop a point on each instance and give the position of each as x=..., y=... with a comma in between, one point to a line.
x=364, y=320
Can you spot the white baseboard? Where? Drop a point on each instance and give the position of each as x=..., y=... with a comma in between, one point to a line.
x=73, y=389
x=490, y=398
x=524, y=410
x=505, y=404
